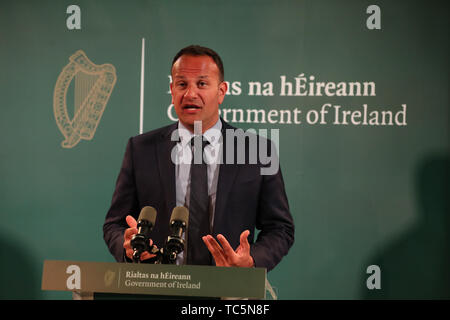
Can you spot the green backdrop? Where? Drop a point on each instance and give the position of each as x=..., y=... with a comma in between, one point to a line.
x=360, y=195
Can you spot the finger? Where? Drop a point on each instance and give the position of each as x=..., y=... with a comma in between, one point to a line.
x=131, y=221
x=212, y=245
x=129, y=253
x=216, y=246
x=129, y=233
x=244, y=240
x=127, y=245
x=228, y=250
x=215, y=249
x=146, y=255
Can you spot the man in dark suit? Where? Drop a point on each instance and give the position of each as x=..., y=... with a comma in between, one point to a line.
x=227, y=200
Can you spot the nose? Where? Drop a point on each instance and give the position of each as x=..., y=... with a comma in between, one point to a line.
x=191, y=92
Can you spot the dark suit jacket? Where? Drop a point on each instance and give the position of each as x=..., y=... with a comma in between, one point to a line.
x=245, y=199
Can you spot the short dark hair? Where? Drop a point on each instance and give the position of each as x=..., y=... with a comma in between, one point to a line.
x=196, y=50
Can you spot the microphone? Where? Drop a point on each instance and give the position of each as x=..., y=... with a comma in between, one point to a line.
x=178, y=224
x=140, y=241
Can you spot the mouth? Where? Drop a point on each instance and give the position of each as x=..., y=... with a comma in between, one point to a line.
x=191, y=107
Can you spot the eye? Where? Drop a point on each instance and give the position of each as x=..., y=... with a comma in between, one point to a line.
x=202, y=83
x=181, y=84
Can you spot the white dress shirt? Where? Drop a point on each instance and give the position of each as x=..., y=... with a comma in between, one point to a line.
x=183, y=167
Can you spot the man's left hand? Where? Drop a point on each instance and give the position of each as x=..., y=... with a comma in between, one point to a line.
x=225, y=256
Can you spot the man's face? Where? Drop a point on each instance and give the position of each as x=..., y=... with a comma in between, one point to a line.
x=197, y=91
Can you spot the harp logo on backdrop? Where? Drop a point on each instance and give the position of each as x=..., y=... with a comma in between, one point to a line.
x=91, y=91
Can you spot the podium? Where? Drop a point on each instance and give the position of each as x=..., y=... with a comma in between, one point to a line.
x=104, y=280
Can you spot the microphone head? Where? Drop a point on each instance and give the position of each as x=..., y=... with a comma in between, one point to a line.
x=148, y=213
x=180, y=214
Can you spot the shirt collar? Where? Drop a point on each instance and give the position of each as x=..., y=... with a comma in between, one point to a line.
x=213, y=134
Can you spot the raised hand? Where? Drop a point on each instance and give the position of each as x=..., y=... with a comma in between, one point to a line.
x=225, y=256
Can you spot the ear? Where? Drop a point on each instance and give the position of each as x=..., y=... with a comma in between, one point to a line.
x=171, y=91
x=223, y=88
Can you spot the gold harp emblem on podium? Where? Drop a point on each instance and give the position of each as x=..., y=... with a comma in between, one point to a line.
x=93, y=85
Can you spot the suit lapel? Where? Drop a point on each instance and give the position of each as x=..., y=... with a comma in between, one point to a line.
x=167, y=167
x=227, y=176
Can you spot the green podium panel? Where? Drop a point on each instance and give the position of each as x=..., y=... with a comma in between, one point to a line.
x=87, y=278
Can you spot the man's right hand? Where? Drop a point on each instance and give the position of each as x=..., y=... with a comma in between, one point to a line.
x=128, y=235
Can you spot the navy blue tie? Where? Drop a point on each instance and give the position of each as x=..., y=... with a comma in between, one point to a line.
x=199, y=225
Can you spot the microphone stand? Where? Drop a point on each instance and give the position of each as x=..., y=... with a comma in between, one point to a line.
x=163, y=255
x=166, y=255
x=140, y=245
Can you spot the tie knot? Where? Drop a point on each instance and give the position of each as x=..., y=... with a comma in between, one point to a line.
x=198, y=144
x=199, y=141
